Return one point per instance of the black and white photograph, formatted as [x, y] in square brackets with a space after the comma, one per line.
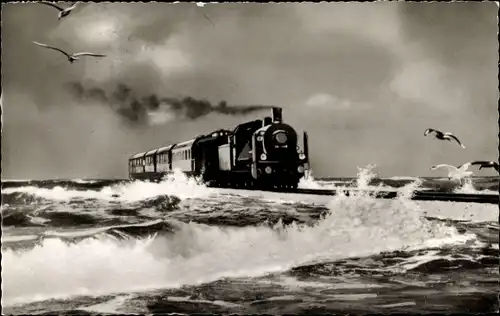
[250, 158]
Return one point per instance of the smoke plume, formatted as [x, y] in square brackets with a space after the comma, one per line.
[138, 110]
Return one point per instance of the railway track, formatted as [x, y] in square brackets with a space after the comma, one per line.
[417, 196]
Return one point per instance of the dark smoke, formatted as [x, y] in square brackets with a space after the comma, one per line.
[136, 109]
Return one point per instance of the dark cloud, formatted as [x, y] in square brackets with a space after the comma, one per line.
[400, 68]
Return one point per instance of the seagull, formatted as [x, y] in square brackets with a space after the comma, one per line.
[454, 172]
[443, 136]
[62, 12]
[71, 57]
[486, 164]
[210, 20]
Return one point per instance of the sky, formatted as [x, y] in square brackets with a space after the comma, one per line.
[363, 79]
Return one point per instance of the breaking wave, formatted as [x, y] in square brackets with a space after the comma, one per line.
[165, 254]
[81, 251]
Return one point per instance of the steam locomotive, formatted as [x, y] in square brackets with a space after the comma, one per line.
[259, 154]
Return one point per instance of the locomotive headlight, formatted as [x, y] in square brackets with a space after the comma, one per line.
[302, 156]
[260, 138]
[263, 157]
[300, 169]
[268, 170]
[281, 137]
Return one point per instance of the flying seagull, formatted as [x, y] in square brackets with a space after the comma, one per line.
[62, 11]
[486, 164]
[443, 136]
[71, 57]
[210, 20]
[454, 172]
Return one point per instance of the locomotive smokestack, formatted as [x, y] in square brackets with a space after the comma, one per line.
[277, 118]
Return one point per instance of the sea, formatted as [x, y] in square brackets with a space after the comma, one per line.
[177, 246]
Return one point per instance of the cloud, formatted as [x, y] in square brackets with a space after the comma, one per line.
[325, 100]
[168, 57]
[389, 67]
[356, 19]
[424, 81]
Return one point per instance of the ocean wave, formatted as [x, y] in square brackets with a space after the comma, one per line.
[128, 259]
[82, 212]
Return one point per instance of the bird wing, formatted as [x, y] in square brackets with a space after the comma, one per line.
[210, 20]
[450, 135]
[51, 47]
[483, 164]
[480, 162]
[72, 6]
[464, 167]
[450, 168]
[52, 5]
[88, 54]
[429, 130]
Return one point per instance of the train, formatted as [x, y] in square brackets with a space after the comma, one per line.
[259, 154]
